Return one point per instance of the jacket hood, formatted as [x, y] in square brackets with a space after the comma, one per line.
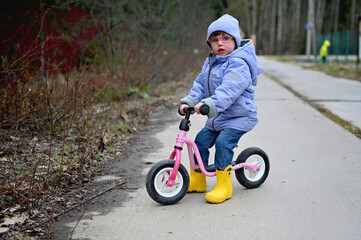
[247, 53]
[326, 43]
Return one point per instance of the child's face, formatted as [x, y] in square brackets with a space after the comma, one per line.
[222, 44]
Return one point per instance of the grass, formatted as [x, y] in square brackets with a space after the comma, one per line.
[345, 124]
[338, 70]
[283, 58]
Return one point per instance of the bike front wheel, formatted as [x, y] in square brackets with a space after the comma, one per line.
[248, 178]
[156, 183]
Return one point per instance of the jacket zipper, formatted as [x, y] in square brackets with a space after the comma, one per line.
[211, 56]
[209, 87]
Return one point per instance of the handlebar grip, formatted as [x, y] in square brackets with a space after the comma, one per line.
[204, 109]
[180, 112]
[186, 109]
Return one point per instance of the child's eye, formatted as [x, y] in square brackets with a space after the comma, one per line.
[226, 38]
[214, 40]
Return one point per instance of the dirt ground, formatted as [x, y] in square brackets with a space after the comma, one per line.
[102, 186]
[126, 167]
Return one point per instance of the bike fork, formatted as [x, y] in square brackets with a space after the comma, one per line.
[177, 155]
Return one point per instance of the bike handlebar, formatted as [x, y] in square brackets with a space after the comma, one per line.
[204, 109]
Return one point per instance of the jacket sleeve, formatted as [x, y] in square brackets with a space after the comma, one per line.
[196, 94]
[237, 78]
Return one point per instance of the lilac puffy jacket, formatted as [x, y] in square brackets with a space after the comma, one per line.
[225, 84]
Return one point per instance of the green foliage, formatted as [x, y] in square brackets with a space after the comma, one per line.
[141, 91]
[111, 149]
[125, 127]
[109, 94]
[132, 91]
[100, 156]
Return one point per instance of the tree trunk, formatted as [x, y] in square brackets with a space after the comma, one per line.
[353, 14]
[280, 26]
[309, 30]
[246, 13]
[336, 9]
[254, 16]
[296, 12]
[264, 28]
[273, 27]
[320, 9]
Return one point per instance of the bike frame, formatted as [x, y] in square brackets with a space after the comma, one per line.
[193, 150]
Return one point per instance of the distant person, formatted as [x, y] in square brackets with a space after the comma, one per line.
[226, 84]
[323, 50]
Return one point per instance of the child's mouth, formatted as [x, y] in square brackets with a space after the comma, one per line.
[220, 51]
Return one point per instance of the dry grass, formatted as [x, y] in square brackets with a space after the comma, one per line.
[338, 70]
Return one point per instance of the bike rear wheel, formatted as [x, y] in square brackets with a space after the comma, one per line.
[248, 178]
[156, 183]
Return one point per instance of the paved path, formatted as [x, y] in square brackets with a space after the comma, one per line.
[313, 190]
[341, 96]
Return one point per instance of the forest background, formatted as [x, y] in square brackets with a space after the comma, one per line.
[77, 77]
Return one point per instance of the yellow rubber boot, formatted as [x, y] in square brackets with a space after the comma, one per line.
[223, 189]
[197, 181]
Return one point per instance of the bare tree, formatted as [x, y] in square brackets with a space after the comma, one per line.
[280, 22]
[264, 27]
[273, 27]
[295, 27]
[254, 16]
[353, 14]
[336, 12]
[320, 9]
[247, 17]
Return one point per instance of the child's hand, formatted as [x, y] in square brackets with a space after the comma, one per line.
[181, 108]
[197, 107]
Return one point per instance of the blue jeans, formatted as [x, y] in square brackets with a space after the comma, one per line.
[225, 140]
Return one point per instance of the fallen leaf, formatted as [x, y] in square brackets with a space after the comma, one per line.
[4, 230]
[20, 219]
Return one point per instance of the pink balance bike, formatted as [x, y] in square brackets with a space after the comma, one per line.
[167, 181]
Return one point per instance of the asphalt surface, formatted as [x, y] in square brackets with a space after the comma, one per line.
[313, 190]
[341, 96]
